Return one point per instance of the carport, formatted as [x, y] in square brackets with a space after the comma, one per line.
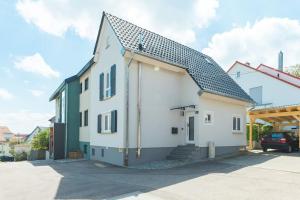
[279, 117]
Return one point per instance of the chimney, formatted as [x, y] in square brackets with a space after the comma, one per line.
[280, 61]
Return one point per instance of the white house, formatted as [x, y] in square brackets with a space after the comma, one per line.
[147, 95]
[266, 85]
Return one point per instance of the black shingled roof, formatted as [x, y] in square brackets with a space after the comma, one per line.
[208, 75]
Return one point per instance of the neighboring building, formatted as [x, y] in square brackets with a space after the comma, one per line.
[84, 108]
[5, 137]
[35, 131]
[266, 85]
[65, 131]
[142, 95]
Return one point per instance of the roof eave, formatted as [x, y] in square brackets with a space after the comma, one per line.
[230, 96]
[61, 86]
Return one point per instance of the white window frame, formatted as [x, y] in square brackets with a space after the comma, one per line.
[241, 122]
[211, 113]
[108, 128]
[107, 84]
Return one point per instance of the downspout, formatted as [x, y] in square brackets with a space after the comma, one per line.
[139, 98]
[127, 112]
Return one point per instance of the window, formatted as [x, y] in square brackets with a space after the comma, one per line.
[63, 106]
[107, 42]
[85, 149]
[86, 118]
[80, 88]
[86, 84]
[238, 74]
[256, 94]
[106, 121]
[208, 117]
[93, 151]
[236, 123]
[80, 119]
[107, 85]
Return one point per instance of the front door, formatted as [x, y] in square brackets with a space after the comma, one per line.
[190, 128]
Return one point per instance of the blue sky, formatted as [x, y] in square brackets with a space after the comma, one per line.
[44, 42]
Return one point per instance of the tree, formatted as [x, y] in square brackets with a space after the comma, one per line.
[41, 140]
[294, 70]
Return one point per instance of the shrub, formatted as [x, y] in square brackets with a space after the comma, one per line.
[41, 140]
[21, 156]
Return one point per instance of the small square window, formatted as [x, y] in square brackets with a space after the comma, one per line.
[208, 117]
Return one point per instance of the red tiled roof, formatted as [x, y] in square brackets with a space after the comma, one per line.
[3, 131]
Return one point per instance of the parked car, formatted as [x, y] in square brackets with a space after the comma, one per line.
[285, 141]
[6, 159]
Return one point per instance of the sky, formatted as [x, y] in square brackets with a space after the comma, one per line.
[42, 42]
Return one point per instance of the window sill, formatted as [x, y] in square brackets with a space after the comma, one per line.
[209, 124]
[237, 132]
[106, 133]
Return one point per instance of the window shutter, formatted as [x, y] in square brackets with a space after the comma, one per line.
[101, 85]
[114, 121]
[99, 123]
[113, 80]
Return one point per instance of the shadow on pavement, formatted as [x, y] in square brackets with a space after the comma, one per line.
[93, 180]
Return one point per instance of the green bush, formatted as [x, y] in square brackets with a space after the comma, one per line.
[21, 156]
[258, 131]
[41, 140]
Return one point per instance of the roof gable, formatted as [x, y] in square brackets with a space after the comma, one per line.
[264, 72]
[208, 75]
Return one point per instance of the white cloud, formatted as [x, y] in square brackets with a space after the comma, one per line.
[258, 43]
[36, 93]
[177, 20]
[5, 95]
[36, 64]
[24, 121]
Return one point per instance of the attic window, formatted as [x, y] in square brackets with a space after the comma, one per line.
[238, 74]
[107, 42]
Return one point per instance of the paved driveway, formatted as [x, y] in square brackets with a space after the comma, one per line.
[255, 176]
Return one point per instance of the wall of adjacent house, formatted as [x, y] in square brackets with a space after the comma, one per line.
[72, 116]
[274, 91]
[107, 54]
[85, 98]
[221, 130]
[161, 90]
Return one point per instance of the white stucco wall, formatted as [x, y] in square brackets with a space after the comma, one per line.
[84, 131]
[220, 131]
[105, 58]
[274, 91]
[161, 91]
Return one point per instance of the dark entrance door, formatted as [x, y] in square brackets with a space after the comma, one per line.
[191, 129]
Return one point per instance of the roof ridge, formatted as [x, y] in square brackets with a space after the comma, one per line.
[291, 75]
[145, 29]
[257, 70]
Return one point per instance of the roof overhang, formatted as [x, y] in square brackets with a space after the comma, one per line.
[281, 114]
[61, 87]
